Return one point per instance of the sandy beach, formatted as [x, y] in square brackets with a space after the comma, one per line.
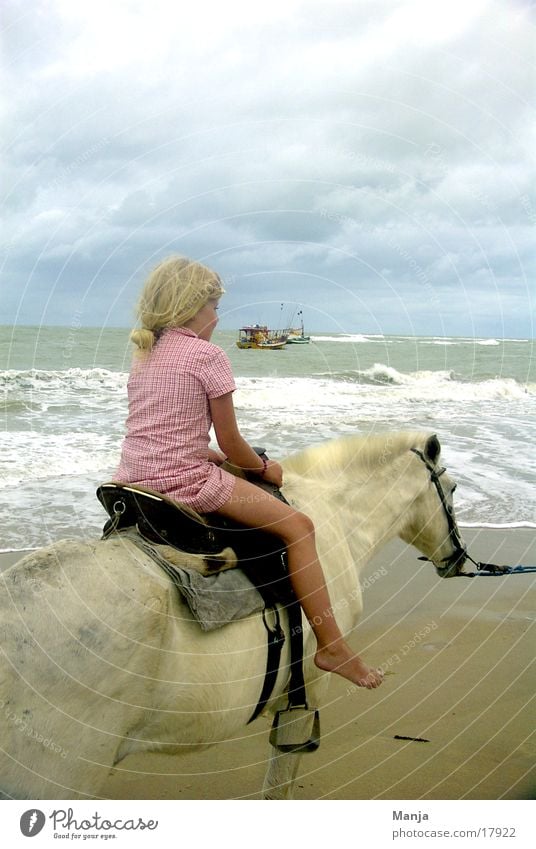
[462, 684]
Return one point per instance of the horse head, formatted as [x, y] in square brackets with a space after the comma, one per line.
[433, 528]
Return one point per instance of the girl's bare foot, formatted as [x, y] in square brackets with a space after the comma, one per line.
[339, 659]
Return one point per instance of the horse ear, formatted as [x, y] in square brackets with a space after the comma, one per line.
[432, 449]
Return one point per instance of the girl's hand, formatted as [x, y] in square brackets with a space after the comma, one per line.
[273, 473]
[216, 457]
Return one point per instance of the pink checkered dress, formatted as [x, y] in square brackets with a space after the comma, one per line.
[169, 420]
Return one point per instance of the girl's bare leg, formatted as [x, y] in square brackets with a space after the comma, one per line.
[254, 507]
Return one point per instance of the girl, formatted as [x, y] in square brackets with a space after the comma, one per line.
[180, 385]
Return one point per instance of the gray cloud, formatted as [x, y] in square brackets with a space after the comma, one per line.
[371, 160]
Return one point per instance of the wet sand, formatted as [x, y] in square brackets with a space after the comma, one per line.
[462, 688]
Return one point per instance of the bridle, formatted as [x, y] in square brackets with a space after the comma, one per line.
[460, 555]
[460, 550]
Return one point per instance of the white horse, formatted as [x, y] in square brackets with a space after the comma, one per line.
[102, 659]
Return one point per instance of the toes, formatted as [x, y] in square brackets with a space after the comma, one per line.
[373, 679]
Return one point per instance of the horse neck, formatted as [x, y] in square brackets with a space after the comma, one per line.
[365, 484]
[381, 506]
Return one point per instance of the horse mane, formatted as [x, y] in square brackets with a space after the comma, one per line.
[367, 452]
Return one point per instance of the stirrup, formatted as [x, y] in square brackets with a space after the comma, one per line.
[296, 729]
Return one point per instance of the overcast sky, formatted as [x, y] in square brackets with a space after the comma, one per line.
[370, 160]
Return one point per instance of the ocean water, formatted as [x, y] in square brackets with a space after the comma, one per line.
[64, 406]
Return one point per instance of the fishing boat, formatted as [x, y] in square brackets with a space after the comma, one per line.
[296, 335]
[259, 336]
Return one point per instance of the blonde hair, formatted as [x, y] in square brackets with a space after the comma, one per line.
[173, 293]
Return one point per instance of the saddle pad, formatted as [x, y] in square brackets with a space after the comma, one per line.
[215, 600]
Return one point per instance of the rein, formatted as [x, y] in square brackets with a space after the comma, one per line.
[485, 569]
[460, 550]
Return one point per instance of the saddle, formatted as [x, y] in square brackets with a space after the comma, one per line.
[159, 519]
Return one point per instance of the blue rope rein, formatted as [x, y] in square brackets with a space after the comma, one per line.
[490, 569]
[485, 569]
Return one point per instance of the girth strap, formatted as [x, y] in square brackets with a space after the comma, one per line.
[296, 688]
[276, 640]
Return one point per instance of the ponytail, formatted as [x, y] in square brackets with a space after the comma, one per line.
[144, 340]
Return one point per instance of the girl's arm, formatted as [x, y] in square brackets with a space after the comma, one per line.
[234, 446]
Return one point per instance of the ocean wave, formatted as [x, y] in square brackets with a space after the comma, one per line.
[36, 456]
[76, 379]
[444, 341]
[348, 337]
[455, 340]
[36, 390]
[12, 406]
[499, 526]
[442, 385]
